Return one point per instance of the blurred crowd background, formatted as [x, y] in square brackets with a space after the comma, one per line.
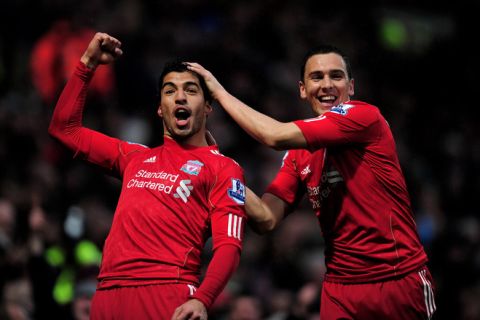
[415, 61]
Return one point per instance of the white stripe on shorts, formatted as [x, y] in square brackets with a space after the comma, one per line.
[192, 289]
[428, 294]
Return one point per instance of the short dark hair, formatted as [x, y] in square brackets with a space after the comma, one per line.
[180, 66]
[324, 49]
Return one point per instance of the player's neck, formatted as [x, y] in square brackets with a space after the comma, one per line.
[197, 140]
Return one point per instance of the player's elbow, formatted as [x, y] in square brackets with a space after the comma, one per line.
[279, 144]
[263, 227]
[283, 136]
[272, 143]
[275, 140]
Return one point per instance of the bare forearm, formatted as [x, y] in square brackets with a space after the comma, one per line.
[266, 213]
[275, 134]
[261, 127]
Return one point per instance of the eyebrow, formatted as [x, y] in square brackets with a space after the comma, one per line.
[323, 72]
[188, 83]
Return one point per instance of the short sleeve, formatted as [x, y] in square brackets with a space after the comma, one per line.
[286, 184]
[343, 124]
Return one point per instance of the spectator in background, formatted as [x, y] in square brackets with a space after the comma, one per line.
[85, 287]
[245, 308]
[17, 303]
[55, 56]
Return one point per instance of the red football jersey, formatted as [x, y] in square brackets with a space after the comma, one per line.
[173, 198]
[352, 177]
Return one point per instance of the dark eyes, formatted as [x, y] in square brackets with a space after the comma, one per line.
[191, 90]
[337, 76]
[333, 76]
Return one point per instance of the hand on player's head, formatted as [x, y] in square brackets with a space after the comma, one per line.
[212, 83]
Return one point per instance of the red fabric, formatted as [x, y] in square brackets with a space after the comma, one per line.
[354, 182]
[222, 266]
[55, 56]
[173, 199]
[139, 303]
[66, 124]
[407, 298]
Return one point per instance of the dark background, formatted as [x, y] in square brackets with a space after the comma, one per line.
[416, 62]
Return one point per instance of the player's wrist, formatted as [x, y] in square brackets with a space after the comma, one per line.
[203, 299]
[89, 62]
[221, 95]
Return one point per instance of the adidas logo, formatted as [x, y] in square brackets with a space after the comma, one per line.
[306, 170]
[151, 160]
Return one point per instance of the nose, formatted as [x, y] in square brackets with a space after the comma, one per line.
[327, 82]
[180, 96]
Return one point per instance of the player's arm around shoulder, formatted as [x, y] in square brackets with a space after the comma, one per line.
[268, 131]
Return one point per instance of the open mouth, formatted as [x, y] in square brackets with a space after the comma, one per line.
[182, 116]
[330, 99]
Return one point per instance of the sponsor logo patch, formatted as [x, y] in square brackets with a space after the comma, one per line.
[237, 192]
[341, 109]
[184, 190]
[192, 167]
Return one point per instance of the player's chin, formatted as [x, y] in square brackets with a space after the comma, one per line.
[182, 132]
[327, 105]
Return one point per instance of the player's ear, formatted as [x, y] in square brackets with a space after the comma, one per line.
[159, 111]
[351, 87]
[208, 108]
[301, 87]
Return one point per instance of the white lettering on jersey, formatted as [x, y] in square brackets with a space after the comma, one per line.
[234, 226]
[156, 175]
[183, 190]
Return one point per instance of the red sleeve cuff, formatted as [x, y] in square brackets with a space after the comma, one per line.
[83, 71]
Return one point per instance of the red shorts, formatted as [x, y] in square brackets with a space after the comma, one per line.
[407, 298]
[141, 302]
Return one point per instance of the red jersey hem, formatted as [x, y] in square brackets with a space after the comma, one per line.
[382, 277]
